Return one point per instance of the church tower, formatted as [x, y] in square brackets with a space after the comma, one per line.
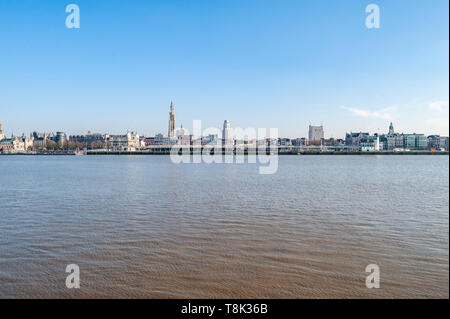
[391, 129]
[171, 121]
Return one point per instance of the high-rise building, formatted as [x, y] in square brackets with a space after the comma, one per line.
[415, 141]
[2, 134]
[226, 133]
[60, 138]
[171, 121]
[315, 133]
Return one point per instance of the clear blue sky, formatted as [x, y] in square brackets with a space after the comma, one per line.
[257, 63]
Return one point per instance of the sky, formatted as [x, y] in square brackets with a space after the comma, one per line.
[258, 63]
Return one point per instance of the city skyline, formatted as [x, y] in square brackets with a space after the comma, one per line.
[284, 65]
[315, 133]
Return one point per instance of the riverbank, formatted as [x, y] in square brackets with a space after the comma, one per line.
[285, 153]
[191, 153]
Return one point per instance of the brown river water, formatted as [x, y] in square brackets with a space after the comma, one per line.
[143, 227]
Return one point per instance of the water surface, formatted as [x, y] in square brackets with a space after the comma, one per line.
[142, 227]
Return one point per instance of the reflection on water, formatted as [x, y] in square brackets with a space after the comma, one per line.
[144, 227]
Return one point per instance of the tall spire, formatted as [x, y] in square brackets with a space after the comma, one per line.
[171, 120]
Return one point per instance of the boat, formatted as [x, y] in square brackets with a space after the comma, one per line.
[80, 153]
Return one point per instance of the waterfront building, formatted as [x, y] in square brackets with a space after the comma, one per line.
[384, 142]
[315, 133]
[14, 144]
[171, 131]
[181, 131]
[40, 140]
[165, 140]
[333, 142]
[434, 142]
[251, 143]
[354, 139]
[211, 139]
[389, 140]
[370, 144]
[444, 143]
[398, 141]
[18, 144]
[28, 142]
[299, 141]
[421, 142]
[438, 143]
[129, 142]
[43, 135]
[409, 141]
[2, 133]
[183, 137]
[39, 143]
[329, 142]
[142, 143]
[415, 142]
[149, 141]
[343, 148]
[60, 138]
[227, 138]
[89, 140]
[6, 146]
[392, 141]
[284, 142]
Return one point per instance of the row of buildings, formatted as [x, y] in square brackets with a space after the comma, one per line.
[353, 142]
[393, 141]
[365, 142]
[59, 141]
[14, 143]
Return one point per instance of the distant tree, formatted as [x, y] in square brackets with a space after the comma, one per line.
[64, 146]
[51, 145]
[97, 145]
[79, 145]
[71, 145]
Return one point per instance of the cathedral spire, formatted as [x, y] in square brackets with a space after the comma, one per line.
[172, 120]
